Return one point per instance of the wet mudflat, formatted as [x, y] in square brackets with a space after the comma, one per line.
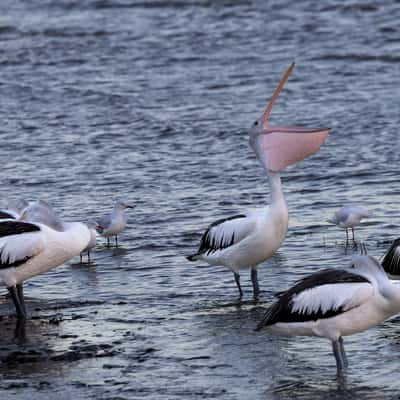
[149, 102]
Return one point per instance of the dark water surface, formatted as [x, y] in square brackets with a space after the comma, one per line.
[148, 101]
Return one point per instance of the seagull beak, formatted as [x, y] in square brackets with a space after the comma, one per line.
[130, 205]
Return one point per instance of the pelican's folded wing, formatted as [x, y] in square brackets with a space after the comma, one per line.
[285, 145]
[225, 233]
[321, 295]
[19, 241]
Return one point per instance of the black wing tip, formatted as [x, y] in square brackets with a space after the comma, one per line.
[192, 257]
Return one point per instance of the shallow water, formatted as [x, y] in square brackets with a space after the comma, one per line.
[149, 102]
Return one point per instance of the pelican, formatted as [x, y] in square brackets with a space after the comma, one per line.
[333, 303]
[113, 224]
[348, 217]
[244, 241]
[31, 248]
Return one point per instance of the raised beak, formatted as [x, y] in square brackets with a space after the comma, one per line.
[285, 145]
[267, 112]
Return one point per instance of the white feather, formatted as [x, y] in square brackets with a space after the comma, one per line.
[239, 227]
[19, 247]
[332, 297]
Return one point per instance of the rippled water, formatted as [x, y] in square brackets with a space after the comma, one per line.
[149, 101]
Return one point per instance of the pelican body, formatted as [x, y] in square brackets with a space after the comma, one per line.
[30, 248]
[333, 303]
[246, 240]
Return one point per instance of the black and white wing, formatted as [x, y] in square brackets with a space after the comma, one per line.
[19, 241]
[321, 295]
[225, 233]
[391, 261]
[8, 214]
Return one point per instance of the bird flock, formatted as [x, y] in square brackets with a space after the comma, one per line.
[33, 239]
[331, 303]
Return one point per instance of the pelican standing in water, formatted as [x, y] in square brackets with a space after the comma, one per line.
[333, 303]
[28, 249]
[246, 240]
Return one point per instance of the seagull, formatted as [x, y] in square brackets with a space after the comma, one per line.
[245, 240]
[348, 217]
[333, 303]
[31, 248]
[113, 224]
[14, 210]
[92, 226]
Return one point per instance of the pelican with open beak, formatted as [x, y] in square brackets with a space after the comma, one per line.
[244, 241]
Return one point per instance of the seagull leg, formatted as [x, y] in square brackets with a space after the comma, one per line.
[352, 229]
[344, 357]
[108, 241]
[88, 255]
[347, 235]
[80, 255]
[237, 280]
[116, 241]
[18, 308]
[337, 352]
[254, 280]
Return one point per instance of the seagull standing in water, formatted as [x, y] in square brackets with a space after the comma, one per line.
[348, 217]
[114, 223]
[333, 303]
[28, 249]
[92, 226]
[244, 241]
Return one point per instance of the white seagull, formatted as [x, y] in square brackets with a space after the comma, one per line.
[333, 303]
[113, 224]
[31, 248]
[246, 240]
[349, 216]
[92, 226]
[14, 210]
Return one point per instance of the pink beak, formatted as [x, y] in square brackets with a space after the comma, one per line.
[286, 145]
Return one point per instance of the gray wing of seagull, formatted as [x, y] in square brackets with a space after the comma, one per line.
[41, 212]
[105, 221]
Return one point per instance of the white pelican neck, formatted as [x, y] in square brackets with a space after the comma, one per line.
[276, 187]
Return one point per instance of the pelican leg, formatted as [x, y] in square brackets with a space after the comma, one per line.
[116, 241]
[108, 241]
[18, 307]
[88, 255]
[20, 292]
[254, 280]
[237, 280]
[337, 352]
[344, 357]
